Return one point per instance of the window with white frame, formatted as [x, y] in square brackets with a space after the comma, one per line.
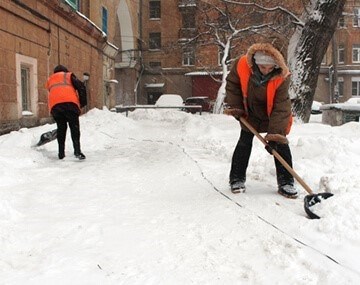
[26, 81]
[356, 53]
[188, 57]
[154, 9]
[341, 54]
[355, 86]
[25, 88]
[356, 19]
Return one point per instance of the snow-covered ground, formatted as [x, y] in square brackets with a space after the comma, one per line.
[151, 205]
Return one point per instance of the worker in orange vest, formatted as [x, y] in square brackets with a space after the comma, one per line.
[257, 88]
[65, 91]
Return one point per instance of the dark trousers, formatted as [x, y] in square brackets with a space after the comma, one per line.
[241, 156]
[62, 119]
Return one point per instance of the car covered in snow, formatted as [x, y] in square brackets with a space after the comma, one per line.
[169, 100]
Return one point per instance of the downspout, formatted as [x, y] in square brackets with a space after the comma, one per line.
[139, 43]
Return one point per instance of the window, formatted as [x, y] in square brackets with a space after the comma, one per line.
[355, 86]
[73, 3]
[154, 40]
[25, 88]
[188, 57]
[356, 22]
[188, 20]
[104, 20]
[341, 23]
[26, 81]
[341, 54]
[155, 9]
[356, 53]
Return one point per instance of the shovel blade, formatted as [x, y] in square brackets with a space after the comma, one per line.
[311, 200]
[47, 137]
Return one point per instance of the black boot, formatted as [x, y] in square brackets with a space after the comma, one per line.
[79, 155]
[77, 150]
[285, 180]
[61, 153]
[240, 161]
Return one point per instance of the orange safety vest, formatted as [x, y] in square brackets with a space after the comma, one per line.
[61, 89]
[273, 84]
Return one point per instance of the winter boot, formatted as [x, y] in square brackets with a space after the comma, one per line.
[288, 191]
[61, 153]
[79, 155]
[237, 186]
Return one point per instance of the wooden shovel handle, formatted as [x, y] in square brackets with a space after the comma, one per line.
[278, 156]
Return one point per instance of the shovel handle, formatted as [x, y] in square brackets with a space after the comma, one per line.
[278, 156]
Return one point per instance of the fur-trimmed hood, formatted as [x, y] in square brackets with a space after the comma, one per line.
[270, 50]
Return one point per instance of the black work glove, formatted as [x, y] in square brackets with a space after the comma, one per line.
[271, 145]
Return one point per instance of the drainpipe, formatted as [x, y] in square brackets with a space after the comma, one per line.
[139, 43]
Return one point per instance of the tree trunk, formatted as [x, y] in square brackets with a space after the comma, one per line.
[307, 49]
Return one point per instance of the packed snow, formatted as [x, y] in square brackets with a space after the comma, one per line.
[151, 205]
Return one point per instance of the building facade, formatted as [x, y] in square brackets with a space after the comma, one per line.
[37, 35]
[171, 61]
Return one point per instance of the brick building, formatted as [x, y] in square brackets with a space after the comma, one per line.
[38, 35]
[172, 65]
[170, 68]
[339, 77]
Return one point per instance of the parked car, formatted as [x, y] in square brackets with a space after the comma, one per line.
[353, 100]
[169, 100]
[204, 101]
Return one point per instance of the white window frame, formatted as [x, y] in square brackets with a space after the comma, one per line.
[356, 19]
[357, 80]
[188, 57]
[356, 48]
[341, 50]
[31, 64]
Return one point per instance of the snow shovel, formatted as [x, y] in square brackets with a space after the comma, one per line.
[309, 200]
[47, 137]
